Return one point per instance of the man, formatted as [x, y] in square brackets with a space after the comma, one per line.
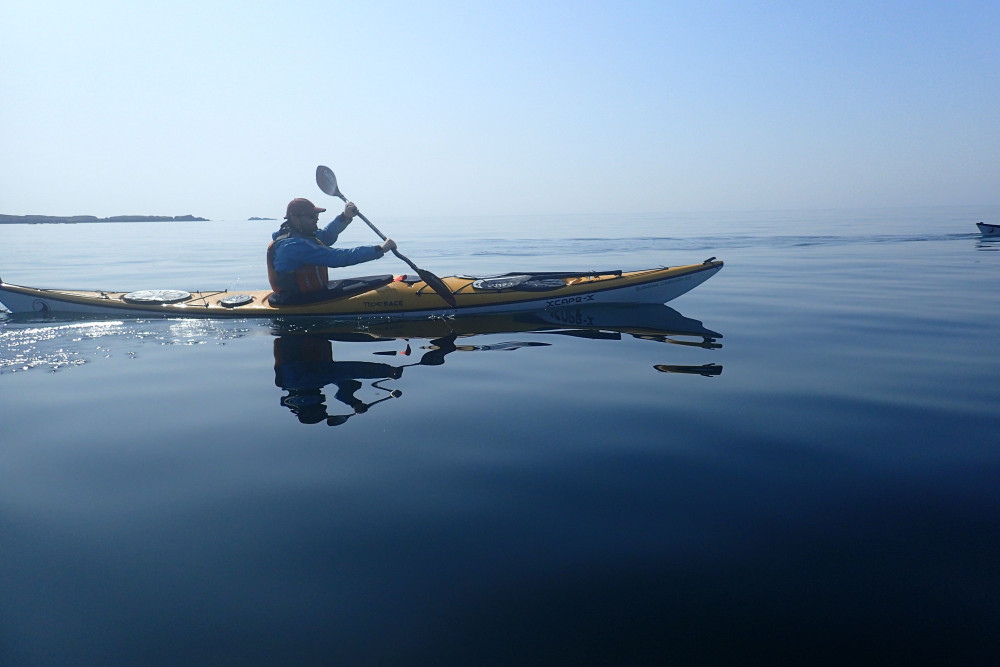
[300, 252]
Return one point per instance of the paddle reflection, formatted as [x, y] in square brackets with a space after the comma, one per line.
[320, 388]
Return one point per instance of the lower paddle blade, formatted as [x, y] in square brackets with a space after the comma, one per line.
[438, 286]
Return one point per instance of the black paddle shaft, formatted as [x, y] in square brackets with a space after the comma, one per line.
[384, 237]
[327, 182]
[431, 279]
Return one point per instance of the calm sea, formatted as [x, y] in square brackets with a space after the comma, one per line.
[243, 492]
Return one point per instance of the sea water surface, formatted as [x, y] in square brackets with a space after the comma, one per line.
[798, 460]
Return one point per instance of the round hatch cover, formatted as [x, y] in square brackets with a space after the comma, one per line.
[154, 296]
[235, 300]
[500, 282]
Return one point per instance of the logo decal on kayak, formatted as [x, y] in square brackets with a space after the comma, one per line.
[569, 299]
[383, 304]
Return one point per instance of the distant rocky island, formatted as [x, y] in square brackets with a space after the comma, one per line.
[252, 219]
[54, 219]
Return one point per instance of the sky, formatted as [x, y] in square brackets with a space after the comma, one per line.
[224, 109]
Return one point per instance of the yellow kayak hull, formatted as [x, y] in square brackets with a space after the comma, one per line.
[401, 297]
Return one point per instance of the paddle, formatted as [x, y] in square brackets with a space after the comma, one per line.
[327, 182]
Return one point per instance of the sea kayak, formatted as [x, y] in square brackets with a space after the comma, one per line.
[398, 296]
[988, 230]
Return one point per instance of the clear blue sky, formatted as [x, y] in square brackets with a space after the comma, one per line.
[224, 109]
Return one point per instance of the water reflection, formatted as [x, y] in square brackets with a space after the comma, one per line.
[306, 368]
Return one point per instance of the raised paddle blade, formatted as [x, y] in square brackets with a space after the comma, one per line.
[327, 181]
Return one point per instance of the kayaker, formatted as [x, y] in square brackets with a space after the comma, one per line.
[300, 252]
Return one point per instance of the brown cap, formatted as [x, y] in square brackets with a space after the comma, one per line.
[302, 207]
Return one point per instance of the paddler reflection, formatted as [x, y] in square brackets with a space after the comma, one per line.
[304, 366]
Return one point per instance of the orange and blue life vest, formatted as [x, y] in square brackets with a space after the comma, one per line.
[307, 278]
[300, 267]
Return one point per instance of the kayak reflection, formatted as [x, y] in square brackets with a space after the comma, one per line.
[306, 369]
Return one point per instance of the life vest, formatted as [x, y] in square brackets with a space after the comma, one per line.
[307, 278]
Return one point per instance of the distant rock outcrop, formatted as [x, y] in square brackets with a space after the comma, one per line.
[54, 219]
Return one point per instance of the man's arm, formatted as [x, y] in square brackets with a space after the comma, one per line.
[329, 234]
[293, 253]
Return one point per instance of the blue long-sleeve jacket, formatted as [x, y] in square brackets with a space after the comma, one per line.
[297, 251]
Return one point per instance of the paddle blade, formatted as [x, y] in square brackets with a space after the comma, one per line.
[327, 181]
[438, 286]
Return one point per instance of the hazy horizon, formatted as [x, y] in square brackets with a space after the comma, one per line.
[223, 110]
